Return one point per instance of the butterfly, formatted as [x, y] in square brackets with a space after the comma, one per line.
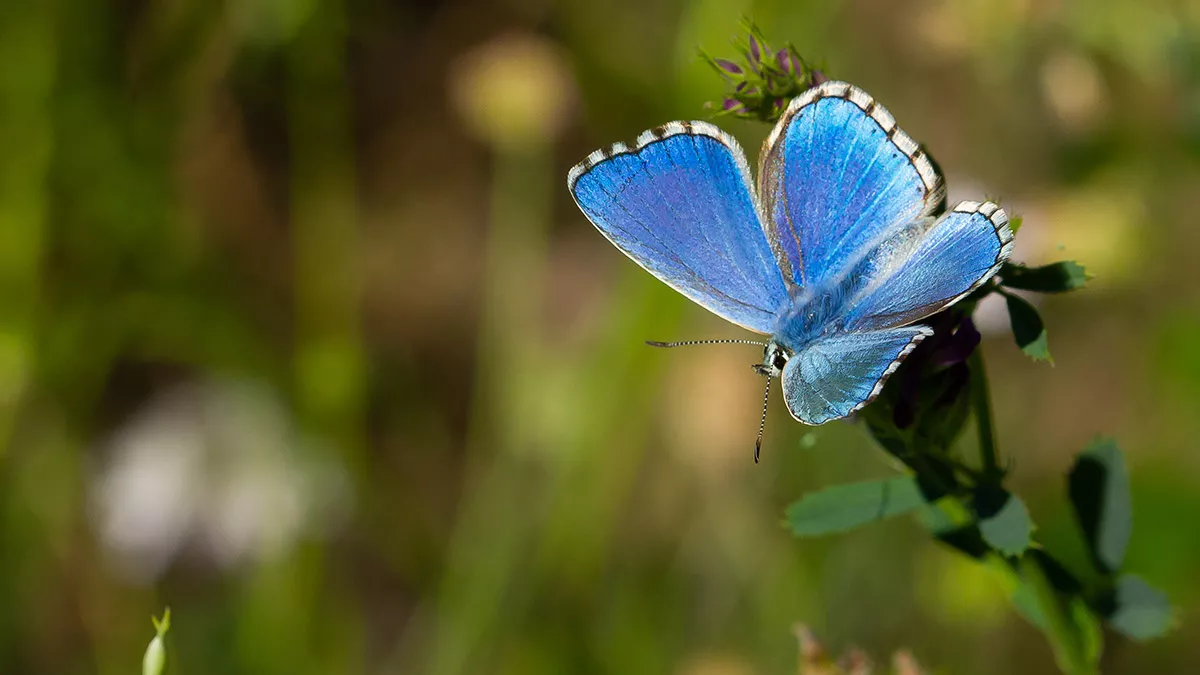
[837, 254]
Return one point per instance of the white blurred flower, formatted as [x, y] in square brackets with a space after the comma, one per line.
[217, 466]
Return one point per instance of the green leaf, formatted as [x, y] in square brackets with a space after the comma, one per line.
[1099, 489]
[1004, 521]
[161, 626]
[1142, 612]
[1025, 600]
[844, 507]
[1059, 277]
[1014, 223]
[1027, 328]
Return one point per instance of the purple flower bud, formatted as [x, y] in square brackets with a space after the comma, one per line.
[818, 77]
[728, 66]
[732, 105]
[745, 89]
[755, 58]
[786, 62]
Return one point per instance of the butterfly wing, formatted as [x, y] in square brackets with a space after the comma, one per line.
[915, 276]
[836, 176]
[680, 204]
[835, 376]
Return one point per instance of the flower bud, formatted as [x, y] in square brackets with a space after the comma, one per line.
[728, 66]
[755, 54]
[155, 659]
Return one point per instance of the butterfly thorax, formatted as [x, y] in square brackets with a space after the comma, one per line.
[809, 316]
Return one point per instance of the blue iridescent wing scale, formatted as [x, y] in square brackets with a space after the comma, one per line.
[837, 375]
[925, 273]
[681, 204]
[837, 175]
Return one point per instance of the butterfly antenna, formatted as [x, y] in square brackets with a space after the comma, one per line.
[688, 343]
[762, 423]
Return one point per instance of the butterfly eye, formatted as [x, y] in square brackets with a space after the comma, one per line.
[780, 359]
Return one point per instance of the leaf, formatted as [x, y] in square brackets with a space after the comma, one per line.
[1014, 223]
[1003, 521]
[1059, 277]
[844, 507]
[1024, 599]
[1099, 489]
[1142, 612]
[1027, 328]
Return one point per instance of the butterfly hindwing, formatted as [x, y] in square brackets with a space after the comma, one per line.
[837, 174]
[681, 205]
[836, 375]
[952, 257]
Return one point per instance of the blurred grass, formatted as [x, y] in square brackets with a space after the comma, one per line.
[25, 132]
[359, 208]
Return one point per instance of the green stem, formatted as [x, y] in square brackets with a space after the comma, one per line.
[981, 404]
[1065, 639]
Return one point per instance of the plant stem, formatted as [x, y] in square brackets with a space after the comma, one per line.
[1065, 639]
[981, 404]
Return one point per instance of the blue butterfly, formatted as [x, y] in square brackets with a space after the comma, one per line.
[836, 256]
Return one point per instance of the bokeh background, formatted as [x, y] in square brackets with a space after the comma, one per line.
[301, 334]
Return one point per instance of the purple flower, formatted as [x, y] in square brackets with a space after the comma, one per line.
[957, 347]
[946, 353]
[763, 80]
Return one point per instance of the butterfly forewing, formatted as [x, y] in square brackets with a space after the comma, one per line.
[837, 174]
[681, 205]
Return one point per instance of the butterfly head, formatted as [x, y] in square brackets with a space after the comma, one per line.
[775, 357]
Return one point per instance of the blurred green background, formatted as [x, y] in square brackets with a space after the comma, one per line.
[301, 334]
